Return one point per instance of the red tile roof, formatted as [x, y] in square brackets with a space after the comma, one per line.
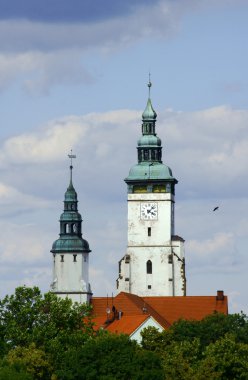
[189, 307]
[134, 310]
[127, 324]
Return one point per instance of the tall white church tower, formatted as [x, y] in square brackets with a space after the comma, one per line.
[71, 252]
[154, 263]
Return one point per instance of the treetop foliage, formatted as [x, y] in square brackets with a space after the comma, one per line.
[43, 337]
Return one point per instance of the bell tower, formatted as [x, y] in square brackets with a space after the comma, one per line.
[154, 263]
[71, 252]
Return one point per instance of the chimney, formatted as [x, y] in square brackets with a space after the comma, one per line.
[220, 295]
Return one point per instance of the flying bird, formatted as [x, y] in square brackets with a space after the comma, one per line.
[216, 208]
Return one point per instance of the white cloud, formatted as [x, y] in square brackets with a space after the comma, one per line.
[213, 144]
[157, 19]
[47, 145]
[21, 244]
[39, 71]
[43, 55]
[216, 253]
[14, 202]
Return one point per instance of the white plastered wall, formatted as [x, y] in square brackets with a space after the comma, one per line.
[166, 278]
[71, 277]
[149, 322]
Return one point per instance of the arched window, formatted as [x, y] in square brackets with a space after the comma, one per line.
[146, 154]
[149, 267]
[67, 228]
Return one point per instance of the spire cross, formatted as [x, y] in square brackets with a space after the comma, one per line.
[149, 84]
[71, 156]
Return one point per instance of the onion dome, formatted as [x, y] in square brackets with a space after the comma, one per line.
[149, 113]
[149, 140]
[148, 171]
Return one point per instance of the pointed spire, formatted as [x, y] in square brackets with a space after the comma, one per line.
[71, 156]
[70, 193]
[149, 113]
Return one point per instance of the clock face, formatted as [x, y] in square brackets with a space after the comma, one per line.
[149, 211]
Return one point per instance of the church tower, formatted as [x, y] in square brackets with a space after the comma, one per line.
[71, 252]
[154, 263]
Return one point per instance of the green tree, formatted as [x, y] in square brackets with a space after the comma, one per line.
[34, 361]
[9, 372]
[212, 328]
[154, 340]
[48, 323]
[213, 348]
[27, 317]
[110, 357]
[228, 357]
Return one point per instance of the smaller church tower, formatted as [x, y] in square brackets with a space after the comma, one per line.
[71, 252]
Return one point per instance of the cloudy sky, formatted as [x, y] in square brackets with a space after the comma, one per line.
[73, 75]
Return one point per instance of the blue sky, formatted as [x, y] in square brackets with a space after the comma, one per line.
[73, 75]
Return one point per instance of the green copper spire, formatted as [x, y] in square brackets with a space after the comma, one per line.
[149, 113]
[150, 167]
[70, 239]
[70, 194]
[149, 145]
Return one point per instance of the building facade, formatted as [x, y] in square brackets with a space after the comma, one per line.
[154, 263]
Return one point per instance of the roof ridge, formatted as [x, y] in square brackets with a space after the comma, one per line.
[150, 309]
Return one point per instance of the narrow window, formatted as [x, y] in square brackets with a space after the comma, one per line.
[67, 228]
[149, 267]
[61, 258]
[149, 231]
[85, 259]
[74, 258]
[149, 286]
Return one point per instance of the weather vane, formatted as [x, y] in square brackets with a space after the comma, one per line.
[71, 156]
